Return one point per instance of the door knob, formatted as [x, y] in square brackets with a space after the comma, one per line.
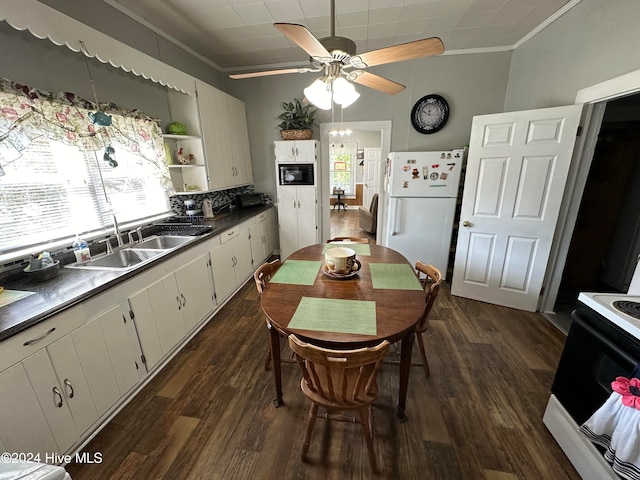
[467, 224]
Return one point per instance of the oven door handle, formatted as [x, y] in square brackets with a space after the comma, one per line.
[603, 339]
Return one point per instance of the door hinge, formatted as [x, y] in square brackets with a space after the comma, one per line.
[131, 315]
[144, 359]
[579, 132]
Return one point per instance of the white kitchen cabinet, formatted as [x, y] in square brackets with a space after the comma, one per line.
[296, 150]
[170, 307]
[231, 262]
[140, 305]
[194, 283]
[58, 381]
[24, 426]
[297, 218]
[96, 364]
[225, 137]
[262, 237]
[118, 332]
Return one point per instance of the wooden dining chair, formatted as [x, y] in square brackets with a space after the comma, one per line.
[349, 239]
[262, 276]
[430, 279]
[338, 381]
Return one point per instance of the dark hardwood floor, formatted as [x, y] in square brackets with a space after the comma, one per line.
[210, 414]
[346, 223]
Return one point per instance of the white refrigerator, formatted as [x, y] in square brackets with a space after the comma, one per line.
[421, 192]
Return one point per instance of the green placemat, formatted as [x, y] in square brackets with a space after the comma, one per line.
[334, 315]
[359, 248]
[397, 276]
[297, 272]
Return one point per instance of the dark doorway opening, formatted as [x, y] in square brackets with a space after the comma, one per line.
[606, 239]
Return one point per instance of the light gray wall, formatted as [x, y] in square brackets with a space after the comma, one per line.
[41, 64]
[114, 23]
[595, 41]
[472, 84]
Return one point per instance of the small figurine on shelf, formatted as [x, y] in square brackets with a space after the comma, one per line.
[184, 158]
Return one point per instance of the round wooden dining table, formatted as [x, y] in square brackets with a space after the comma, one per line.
[397, 310]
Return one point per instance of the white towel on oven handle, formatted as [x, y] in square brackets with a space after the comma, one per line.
[616, 427]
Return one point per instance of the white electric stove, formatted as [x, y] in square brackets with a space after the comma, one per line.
[603, 342]
[622, 310]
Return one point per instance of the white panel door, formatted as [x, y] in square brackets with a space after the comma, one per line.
[516, 173]
[371, 177]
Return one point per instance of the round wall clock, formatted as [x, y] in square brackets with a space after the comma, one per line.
[430, 114]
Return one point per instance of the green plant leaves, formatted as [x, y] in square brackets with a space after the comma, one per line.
[296, 116]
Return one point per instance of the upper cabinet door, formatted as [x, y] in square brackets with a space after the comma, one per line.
[225, 136]
[296, 150]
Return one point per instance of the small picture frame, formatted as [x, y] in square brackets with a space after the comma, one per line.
[360, 154]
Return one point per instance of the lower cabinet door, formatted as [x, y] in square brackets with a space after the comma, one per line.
[96, 365]
[117, 330]
[68, 369]
[145, 323]
[24, 426]
[195, 291]
[52, 400]
[222, 270]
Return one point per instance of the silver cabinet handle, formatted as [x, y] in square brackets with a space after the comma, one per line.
[179, 303]
[57, 392]
[293, 152]
[36, 340]
[69, 388]
[184, 300]
[298, 203]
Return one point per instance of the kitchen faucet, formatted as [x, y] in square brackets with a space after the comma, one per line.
[116, 229]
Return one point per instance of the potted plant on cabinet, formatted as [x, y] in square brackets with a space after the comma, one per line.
[296, 121]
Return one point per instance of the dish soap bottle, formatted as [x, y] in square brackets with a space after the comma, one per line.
[81, 250]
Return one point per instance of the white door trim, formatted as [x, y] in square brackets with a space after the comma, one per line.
[595, 98]
[384, 127]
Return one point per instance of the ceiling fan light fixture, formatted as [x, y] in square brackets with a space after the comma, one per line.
[344, 93]
[319, 93]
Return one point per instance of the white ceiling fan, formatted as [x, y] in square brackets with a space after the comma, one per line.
[336, 57]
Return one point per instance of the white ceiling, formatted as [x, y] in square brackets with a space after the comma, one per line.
[238, 35]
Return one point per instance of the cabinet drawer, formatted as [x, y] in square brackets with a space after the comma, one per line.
[263, 216]
[22, 345]
[229, 234]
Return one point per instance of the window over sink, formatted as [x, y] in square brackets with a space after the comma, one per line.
[62, 175]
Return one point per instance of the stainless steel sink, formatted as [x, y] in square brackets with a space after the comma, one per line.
[167, 242]
[124, 259]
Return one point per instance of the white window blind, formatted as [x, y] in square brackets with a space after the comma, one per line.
[55, 191]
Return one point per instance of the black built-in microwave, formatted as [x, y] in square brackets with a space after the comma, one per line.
[296, 174]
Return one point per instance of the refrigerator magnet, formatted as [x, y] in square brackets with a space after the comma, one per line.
[434, 176]
[405, 184]
[444, 175]
[406, 168]
[425, 172]
[415, 173]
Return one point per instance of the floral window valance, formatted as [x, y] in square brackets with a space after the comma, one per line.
[26, 113]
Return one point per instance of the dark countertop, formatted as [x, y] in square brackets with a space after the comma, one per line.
[73, 286]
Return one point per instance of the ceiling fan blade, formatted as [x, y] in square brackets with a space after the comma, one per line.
[378, 83]
[266, 73]
[302, 37]
[405, 51]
